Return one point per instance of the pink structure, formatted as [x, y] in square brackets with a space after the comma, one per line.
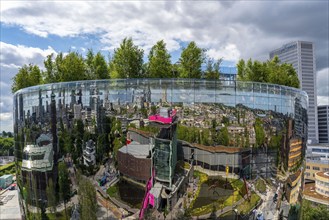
[148, 198]
[165, 116]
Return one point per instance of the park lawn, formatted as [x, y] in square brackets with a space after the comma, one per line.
[7, 169]
[202, 178]
[113, 191]
[219, 204]
[245, 207]
[260, 185]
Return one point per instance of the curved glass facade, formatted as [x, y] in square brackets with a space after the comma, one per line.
[250, 128]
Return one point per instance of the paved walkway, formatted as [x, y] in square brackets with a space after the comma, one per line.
[109, 206]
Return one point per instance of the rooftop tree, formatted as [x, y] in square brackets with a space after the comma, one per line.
[270, 71]
[191, 60]
[127, 60]
[159, 61]
[28, 75]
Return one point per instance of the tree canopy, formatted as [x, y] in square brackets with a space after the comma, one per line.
[6, 146]
[127, 62]
[191, 60]
[28, 75]
[212, 69]
[270, 71]
[87, 199]
[159, 65]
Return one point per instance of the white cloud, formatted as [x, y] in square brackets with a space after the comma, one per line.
[230, 30]
[6, 121]
[229, 52]
[6, 116]
[18, 55]
[13, 57]
[145, 22]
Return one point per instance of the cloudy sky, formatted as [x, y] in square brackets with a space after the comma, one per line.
[232, 30]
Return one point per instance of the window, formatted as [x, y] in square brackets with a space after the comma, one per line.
[316, 168]
[307, 167]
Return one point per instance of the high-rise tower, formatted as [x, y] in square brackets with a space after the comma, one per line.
[323, 119]
[302, 57]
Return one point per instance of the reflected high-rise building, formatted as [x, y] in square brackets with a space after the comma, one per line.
[187, 131]
[301, 55]
[323, 117]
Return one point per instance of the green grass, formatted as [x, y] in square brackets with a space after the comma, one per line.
[260, 185]
[52, 216]
[60, 215]
[246, 206]
[112, 191]
[8, 169]
[237, 185]
[203, 177]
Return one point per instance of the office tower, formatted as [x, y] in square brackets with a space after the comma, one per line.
[302, 57]
[323, 121]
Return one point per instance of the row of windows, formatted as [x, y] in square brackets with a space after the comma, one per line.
[323, 191]
[320, 150]
[322, 183]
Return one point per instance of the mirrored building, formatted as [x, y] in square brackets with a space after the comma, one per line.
[253, 129]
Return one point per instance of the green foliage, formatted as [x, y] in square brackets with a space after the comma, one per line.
[191, 60]
[260, 133]
[276, 141]
[159, 62]
[101, 147]
[245, 207]
[64, 182]
[51, 196]
[223, 137]
[28, 75]
[309, 211]
[127, 60]
[212, 70]
[268, 72]
[73, 68]
[260, 185]
[7, 169]
[112, 191]
[87, 199]
[96, 66]
[50, 74]
[64, 68]
[151, 129]
[6, 146]
[116, 146]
